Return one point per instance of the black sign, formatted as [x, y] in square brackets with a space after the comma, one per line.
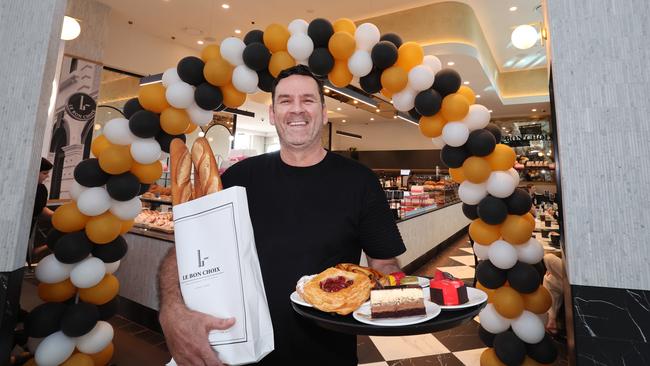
[527, 137]
[81, 107]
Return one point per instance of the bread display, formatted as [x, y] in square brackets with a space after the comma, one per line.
[155, 220]
[337, 291]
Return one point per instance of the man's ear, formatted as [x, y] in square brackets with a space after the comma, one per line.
[271, 115]
[325, 118]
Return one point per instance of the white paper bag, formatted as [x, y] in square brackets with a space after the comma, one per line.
[220, 275]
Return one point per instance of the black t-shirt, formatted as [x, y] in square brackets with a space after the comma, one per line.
[306, 219]
[39, 202]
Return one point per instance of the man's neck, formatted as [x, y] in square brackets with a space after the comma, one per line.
[302, 158]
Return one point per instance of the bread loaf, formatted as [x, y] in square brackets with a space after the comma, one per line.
[181, 168]
[206, 166]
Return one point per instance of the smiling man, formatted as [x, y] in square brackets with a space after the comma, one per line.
[311, 209]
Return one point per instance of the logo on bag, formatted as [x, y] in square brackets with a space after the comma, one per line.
[201, 273]
[201, 260]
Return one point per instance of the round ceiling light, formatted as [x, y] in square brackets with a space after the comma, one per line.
[524, 36]
[71, 28]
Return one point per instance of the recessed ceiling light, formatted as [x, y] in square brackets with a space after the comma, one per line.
[355, 102]
[503, 128]
[534, 110]
[490, 110]
[372, 119]
[513, 8]
[338, 108]
[451, 63]
[97, 127]
[377, 110]
[326, 90]
[478, 95]
[238, 31]
[225, 6]
[466, 82]
[201, 134]
[210, 139]
[395, 116]
[199, 42]
[343, 121]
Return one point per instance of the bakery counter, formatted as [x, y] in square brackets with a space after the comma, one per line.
[425, 210]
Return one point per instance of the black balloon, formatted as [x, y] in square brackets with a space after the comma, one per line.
[492, 210]
[256, 56]
[519, 202]
[321, 61]
[79, 319]
[414, 114]
[144, 124]
[44, 319]
[509, 348]
[111, 252]
[470, 211]
[143, 188]
[392, 38]
[447, 81]
[165, 139]
[89, 174]
[540, 267]
[481, 143]
[384, 55]
[190, 70]
[52, 237]
[543, 352]
[495, 131]
[489, 275]
[486, 337]
[453, 157]
[428, 102]
[123, 187]
[131, 106]
[109, 309]
[208, 96]
[320, 30]
[265, 80]
[524, 278]
[254, 36]
[371, 83]
[72, 247]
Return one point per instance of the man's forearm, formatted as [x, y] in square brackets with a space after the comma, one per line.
[385, 266]
[169, 291]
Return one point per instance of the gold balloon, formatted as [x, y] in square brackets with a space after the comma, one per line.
[502, 158]
[409, 55]
[386, 93]
[516, 229]
[489, 358]
[280, 61]
[30, 362]
[190, 128]
[537, 302]
[432, 126]
[344, 25]
[232, 98]
[490, 292]
[468, 93]
[116, 159]
[508, 302]
[147, 173]
[152, 97]
[457, 175]
[454, 107]
[218, 72]
[394, 79]
[103, 357]
[104, 228]
[102, 292]
[99, 144]
[56, 292]
[79, 359]
[126, 226]
[340, 76]
[67, 218]
[174, 121]
[276, 37]
[483, 233]
[342, 45]
[528, 216]
[210, 52]
[476, 169]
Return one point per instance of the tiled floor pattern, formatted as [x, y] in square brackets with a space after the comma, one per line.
[136, 345]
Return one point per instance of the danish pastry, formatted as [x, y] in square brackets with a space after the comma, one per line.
[337, 291]
[374, 275]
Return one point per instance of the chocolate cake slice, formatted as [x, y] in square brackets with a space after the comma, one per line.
[396, 302]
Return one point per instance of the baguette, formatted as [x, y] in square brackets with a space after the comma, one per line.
[181, 168]
[206, 166]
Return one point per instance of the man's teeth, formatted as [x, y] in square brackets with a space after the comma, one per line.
[298, 123]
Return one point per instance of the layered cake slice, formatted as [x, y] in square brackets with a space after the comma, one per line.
[396, 302]
[447, 290]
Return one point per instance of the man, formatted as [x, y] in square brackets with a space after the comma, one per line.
[310, 210]
[40, 211]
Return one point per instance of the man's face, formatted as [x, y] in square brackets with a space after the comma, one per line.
[297, 112]
[42, 176]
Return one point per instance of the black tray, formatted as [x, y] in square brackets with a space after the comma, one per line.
[347, 324]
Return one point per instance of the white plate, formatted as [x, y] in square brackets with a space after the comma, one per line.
[296, 298]
[362, 314]
[424, 282]
[474, 295]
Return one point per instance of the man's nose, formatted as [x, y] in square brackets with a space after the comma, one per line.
[296, 107]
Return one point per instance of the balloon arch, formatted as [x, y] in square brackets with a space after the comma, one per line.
[77, 281]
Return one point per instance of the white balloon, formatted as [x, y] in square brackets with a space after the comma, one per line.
[76, 189]
[366, 35]
[117, 132]
[300, 46]
[298, 26]
[54, 349]
[530, 252]
[472, 193]
[360, 63]
[405, 100]
[528, 327]
[244, 79]
[501, 184]
[232, 49]
[515, 176]
[180, 94]
[170, 76]
[492, 321]
[420, 78]
[94, 201]
[126, 210]
[433, 62]
[481, 251]
[502, 254]
[88, 272]
[112, 267]
[455, 133]
[438, 142]
[146, 151]
[477, 117]
[97, 339]
[198, 115]
[50, 270]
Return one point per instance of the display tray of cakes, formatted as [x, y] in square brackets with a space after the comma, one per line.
[155, 220]
[158, 193]
[351, 294]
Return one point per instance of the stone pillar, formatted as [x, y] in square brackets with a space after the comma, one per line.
[601, 72]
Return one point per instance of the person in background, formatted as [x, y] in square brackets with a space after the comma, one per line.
[40, 202]
[554, 283]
